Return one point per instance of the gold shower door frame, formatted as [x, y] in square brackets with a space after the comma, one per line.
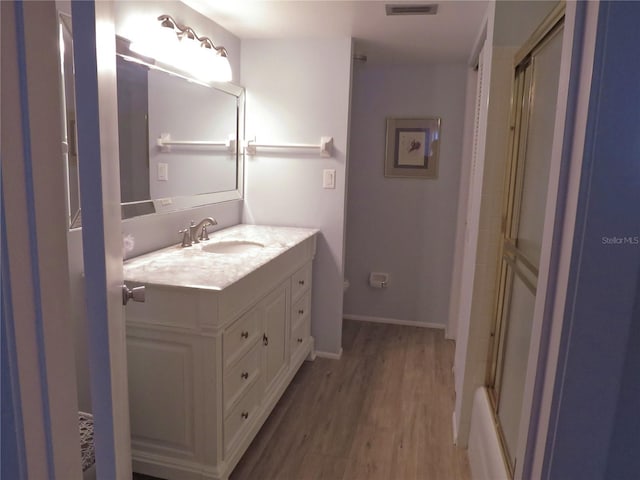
[516, 264]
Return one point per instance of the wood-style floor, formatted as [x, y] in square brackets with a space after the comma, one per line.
[383, 411]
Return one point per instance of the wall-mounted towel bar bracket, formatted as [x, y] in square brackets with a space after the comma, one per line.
[165, 142]
[325, 147]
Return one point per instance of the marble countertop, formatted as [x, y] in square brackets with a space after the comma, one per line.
[191, 267]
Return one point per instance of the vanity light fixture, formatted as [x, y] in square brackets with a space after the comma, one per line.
[180, 46]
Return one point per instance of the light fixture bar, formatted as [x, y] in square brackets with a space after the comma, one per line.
[180, 47]
[168, 21]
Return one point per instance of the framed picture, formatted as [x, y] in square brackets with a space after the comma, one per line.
[412, 147]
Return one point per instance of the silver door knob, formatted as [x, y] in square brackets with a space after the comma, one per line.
[136, 294]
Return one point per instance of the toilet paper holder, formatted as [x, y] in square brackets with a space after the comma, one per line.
[378, 279]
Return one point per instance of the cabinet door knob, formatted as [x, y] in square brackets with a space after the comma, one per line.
[244, 334]
[265, 340]
[245, 415]
[300, 312]
[245, 375]
[299, 340]
[300, 282]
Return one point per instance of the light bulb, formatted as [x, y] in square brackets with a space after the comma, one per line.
[160, 45]
[189, 53]
[210, 66]
[223, 69]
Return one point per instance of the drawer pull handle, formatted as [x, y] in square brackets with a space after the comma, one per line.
[300, 312]
[299, 340]
[244, 334]
[245, 375]
[300, 282]
[265, 339]
[245, 415]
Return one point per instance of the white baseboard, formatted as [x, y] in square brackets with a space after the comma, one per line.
[393, 321]
[448, 334]
[329, 355]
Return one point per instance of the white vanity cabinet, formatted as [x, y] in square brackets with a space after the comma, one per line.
[207, 365]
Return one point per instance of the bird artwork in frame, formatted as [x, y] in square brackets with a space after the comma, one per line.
[412, 147]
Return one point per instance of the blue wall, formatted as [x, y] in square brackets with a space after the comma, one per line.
[594, 432]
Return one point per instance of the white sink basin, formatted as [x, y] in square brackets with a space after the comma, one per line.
[231, 247]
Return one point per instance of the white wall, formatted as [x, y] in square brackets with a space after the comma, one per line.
[405, 227]
[516, 21]
[297, 91]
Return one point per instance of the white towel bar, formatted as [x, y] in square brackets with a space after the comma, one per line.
[165, 142]
[325, 146]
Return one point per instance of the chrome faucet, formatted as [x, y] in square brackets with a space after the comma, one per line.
[190, 234]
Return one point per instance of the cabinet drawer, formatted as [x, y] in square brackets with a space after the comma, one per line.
[301, 281]
[241, 416]
[301, 308]
[299, 335]
[239, 337]
[241, 376]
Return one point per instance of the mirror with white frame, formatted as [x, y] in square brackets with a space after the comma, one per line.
[179, 138]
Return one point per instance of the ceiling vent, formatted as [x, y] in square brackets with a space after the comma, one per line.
[411, 9]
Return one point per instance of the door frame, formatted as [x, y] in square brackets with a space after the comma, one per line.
[36, 301]
[97, 137]
[36, 294]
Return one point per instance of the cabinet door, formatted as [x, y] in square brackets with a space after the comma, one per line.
[164, 383]
[275, 336]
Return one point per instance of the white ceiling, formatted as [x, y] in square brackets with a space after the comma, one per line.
[445, 37]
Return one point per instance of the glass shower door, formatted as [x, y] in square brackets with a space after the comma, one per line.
[532, 124]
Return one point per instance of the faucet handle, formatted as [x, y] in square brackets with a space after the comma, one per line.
[204, 235]
[186, 237]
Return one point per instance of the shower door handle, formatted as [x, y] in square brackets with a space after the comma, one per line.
[137, 294]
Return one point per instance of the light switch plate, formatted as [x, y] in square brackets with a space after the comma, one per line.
[163, 172]
[329, 178]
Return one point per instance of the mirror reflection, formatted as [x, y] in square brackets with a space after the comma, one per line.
[69, 149]
[178, 138]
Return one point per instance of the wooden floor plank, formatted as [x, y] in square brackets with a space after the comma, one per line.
[316, 466]
[383, 401]
[371, 454]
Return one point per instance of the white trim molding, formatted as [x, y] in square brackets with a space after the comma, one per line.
[329, 355]
[485, 454]
[394, 321]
